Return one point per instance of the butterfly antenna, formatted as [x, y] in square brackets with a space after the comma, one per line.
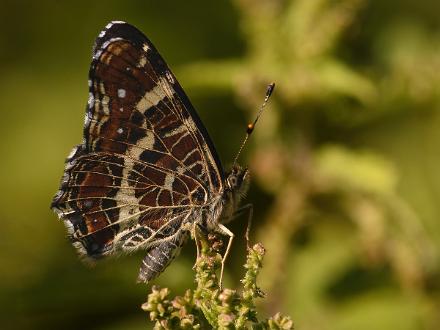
[251, 126]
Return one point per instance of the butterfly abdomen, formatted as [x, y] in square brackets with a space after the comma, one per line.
[159, 257]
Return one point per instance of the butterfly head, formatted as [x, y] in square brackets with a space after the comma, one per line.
[236, 186]
[237, 181]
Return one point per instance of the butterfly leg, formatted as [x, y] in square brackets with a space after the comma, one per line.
[249, 223]
[225, 231]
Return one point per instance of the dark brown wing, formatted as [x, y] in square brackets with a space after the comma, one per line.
[135, 100]
[146, 160]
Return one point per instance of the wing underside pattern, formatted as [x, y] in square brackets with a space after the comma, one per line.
[146, 164]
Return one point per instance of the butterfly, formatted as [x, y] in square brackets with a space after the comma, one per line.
[147, 172]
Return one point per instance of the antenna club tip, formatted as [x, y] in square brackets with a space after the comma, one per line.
[250, 127]
[270, 89]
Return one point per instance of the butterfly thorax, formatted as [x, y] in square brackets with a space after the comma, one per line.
[235, 188]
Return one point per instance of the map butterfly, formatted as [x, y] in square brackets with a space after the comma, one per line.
[146, 172]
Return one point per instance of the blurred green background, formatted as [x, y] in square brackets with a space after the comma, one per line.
[344, 160]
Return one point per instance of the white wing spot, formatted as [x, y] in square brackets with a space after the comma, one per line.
[91, 100]
[121, 109]
[142, 62]
[86, 120]
[109, 25]
[120, 130]
[169, 77]
[97, 54]
[121, 93]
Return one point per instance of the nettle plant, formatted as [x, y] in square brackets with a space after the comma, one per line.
[209, 305]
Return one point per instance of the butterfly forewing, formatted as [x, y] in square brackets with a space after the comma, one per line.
[146, 160]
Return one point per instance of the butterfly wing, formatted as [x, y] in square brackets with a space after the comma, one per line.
[132, 87]
[146, 162]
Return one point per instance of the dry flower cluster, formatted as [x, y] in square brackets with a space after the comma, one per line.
[210, 306]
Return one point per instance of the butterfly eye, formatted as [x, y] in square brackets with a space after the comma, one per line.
[232, 181]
